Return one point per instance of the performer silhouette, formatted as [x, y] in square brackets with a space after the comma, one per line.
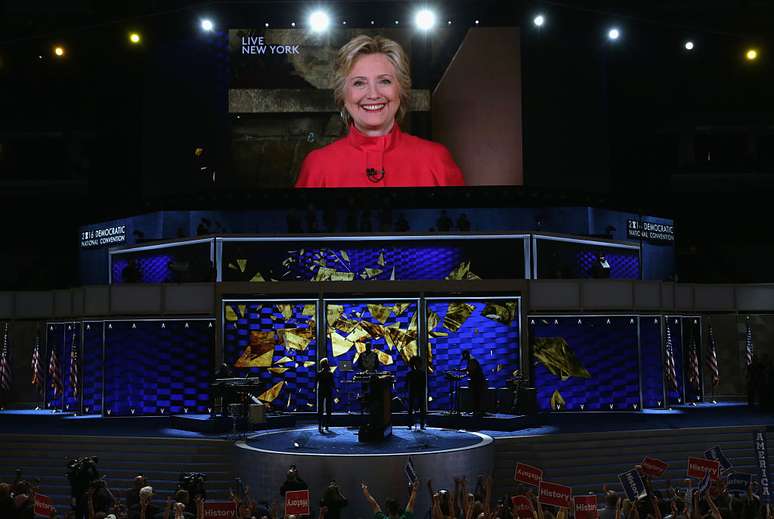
[325, 387]
[477, 381]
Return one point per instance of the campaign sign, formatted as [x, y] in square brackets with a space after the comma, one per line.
[585, 507]
[44, 505]
[522, 506]
[297, 502]
[220, 510]
[698, 466]
[738, 483]
[633, 485]
[528, 474]
[716, 454]
[653, 467]
[762, 462]
[554, 494]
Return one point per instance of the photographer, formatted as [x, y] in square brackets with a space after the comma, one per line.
[81, 473]
[333, 501]
[293, 481]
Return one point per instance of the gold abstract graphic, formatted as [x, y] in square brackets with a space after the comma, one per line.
[379, 312]
[558, 358]
[234, 315]
[257, 278]
[284, 360]
[557, 401]
[344, 255]
[344, 325]
[462, 272]
[308, 363]
[334, 312]
[309, 310]
[456, 316]
[501, 312]
[369, 273]
[358, 334]
[385, 359]
[380, 261]
[242, 263]
[259, 351]
[432, 320]
[399, 308]
[286, 310]
[272, 393]
[296, 338]
[340, 345]
[279, 371]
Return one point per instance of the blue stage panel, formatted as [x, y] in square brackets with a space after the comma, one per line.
[596, 356]
[246, 320]
[651, 362]
[356, 312]
[91, 371]
[157, 367]
[675, 396]
[494, 343]
[55, 342]
[72, 400]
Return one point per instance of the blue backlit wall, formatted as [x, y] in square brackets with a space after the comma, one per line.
[586, 361]
[390, 326]
[490, 331]
[574, 259]
[157, 367]
[168, 264]
[651, 362]
[276, 342]
[91, 373]
[675, 396]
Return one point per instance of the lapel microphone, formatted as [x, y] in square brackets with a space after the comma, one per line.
[374, 175]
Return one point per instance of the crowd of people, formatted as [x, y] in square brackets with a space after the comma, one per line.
[463, 501]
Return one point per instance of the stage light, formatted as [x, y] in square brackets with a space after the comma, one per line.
[751, 54]
[396, 22]
[688, 45]
[424, 19]
[266, 24]
[613, 34]
[134, 38]
[539, 20]
[343, 22]
[476, 22]
[319, 21]
[296, 445]
[292, 24]
[207, 25]
[59, 51]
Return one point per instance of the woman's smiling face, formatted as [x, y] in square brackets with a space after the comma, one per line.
[372, 94]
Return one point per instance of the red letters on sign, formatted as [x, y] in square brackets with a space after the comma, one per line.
[522, 506]
[653, 466]
[585, 507]
[220, 510]
[297, 502]
[44, 505]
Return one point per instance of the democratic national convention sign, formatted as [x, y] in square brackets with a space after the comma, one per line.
[522, 506]
[554, 494]
[653, 467]
[697, 467]
[633, 485]
[220, 509]
[297, 502]
[528, 474]
[762, 462]
[585, 507]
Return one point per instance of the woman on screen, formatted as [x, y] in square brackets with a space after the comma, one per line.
[371, 88]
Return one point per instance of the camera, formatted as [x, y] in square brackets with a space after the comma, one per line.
[81, 472]
[193, 483]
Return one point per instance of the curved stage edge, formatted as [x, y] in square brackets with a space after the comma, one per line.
[263, 460]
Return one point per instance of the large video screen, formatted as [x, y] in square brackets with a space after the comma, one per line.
[374, 106]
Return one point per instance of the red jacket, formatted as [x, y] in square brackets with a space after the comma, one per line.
[406, 161]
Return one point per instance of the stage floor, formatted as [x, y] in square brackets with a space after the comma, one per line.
[723, 414]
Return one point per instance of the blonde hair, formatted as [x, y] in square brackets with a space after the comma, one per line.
[361, 46]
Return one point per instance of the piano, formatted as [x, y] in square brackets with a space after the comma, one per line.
[237, 390]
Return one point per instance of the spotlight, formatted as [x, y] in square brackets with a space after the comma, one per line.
[207, 25]
[751, 54]
[319, 21]
[59, 51]
[613, 34]
[424, 19]
[539, 20]
[296, 445]
[477, 22]
[134, 38]
[688, 45]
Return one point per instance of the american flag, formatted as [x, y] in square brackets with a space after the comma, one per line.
[694, 377]
[37, 369]
[74, 366]
[712, 359]
[671, 375]
[5, 363]
[53, 372]
[748, 343]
